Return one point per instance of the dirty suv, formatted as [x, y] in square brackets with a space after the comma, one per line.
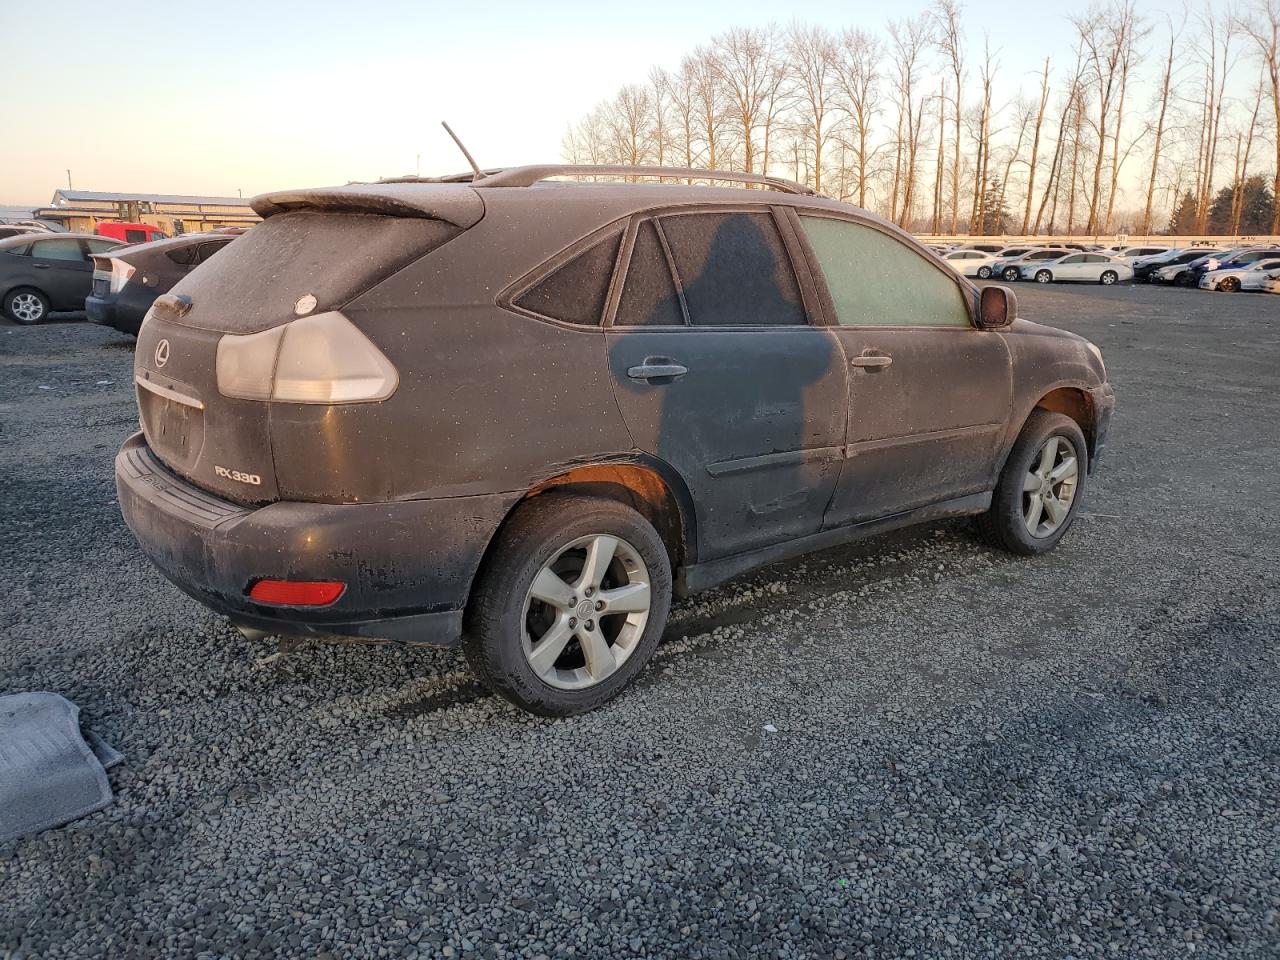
[518, 414]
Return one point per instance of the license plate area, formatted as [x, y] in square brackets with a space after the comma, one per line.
[174, 428]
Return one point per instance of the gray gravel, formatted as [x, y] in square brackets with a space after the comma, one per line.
[912, 747]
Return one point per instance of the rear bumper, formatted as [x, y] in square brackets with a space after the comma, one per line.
[407, 566]
[99, 310]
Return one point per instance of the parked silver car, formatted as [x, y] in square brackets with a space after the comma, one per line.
[1007, 268]
[1091, 267]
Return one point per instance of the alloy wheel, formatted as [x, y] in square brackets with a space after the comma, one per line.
[1044, 276]
[1108, 278]
[26, 308]
[585, 611]
[1049, 489]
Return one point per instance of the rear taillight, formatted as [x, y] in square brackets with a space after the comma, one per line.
[319, 359]
[120, 274]
[297, 593]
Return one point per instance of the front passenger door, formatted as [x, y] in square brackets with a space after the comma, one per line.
[929, 395]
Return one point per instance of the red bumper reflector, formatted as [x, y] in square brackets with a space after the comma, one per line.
[297, 593]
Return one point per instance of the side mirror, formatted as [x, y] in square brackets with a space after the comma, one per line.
[997, 308]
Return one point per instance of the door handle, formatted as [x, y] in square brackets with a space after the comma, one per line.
[873, 361]
[657, 368]
[41, 266]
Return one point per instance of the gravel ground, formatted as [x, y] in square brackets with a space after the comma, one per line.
[912, 747]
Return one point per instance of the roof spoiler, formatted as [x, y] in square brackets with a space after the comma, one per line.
[453, 203]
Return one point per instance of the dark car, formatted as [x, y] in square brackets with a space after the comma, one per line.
[127, 281]
[517, 414]
[40, 273]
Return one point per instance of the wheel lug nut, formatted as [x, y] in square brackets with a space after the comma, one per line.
[599, 604]
[589, 591]
[573, 622]
[590, 624]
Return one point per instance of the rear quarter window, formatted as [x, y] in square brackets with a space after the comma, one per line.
[575, 292]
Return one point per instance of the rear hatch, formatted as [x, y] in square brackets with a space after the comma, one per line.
[315, 251]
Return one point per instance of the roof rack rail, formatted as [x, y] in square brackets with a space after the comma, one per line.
[528, 176]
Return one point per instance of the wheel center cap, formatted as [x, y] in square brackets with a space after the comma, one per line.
[586, 608]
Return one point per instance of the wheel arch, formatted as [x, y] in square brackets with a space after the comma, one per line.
[648, 485]
[1076, 403]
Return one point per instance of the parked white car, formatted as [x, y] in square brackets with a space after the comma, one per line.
[967, 263]
[1088, 267]
[1130, 255]
[1272, 283]
[1006, 268]
[1248, 277]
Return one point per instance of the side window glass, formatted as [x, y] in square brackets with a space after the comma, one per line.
[181, 256]
[649, 298]
[734, 270]
[877, 281]
[576, 291]
[1078, 258]
[64, 248]
[101, 246]
[207, 250]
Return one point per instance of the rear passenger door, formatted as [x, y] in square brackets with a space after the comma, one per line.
[719, 373]
[63, 271]
[929, 394]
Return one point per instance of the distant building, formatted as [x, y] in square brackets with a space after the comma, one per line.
[81, 210]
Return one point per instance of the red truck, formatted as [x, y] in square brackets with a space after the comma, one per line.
[129, 232]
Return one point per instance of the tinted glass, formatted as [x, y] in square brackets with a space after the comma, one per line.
[207, 250]
[876, 280]
[1078, 258]
[61, 249]
[101, 246]
[575, 292]
[182, 255]
[734, 270]
[1046, 255]
[649, 297]
[17, 251]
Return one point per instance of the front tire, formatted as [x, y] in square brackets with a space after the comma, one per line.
[570, 605]
[984, 273]
[1108, 278]
[26, 306]
[1229, 285]
[1010, 274]
[1040, 487]
[1044, 276]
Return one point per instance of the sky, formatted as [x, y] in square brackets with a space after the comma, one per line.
[233, 96]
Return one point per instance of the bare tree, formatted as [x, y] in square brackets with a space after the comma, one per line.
[812, 56]
[1264, 29]
[1106, 34]
[745, 60]
[910, 39]
[982, 137]
[1033, 163]
[857, 65]
[950, 39]
[1159, 136]
[708, 102]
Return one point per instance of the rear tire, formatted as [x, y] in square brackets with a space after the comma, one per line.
[26, 306]
[1008, 523]
[538, 628]
[984, 273]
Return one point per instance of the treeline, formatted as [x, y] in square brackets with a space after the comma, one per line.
[920, 124]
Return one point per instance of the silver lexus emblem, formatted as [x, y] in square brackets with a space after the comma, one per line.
[162, 353]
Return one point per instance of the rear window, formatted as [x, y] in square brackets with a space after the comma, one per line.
[255, 282]
[67, 248]
[733, 270]
[649, 298]
[576, 291]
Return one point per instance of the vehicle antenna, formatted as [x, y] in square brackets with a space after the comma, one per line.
[465, 152]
